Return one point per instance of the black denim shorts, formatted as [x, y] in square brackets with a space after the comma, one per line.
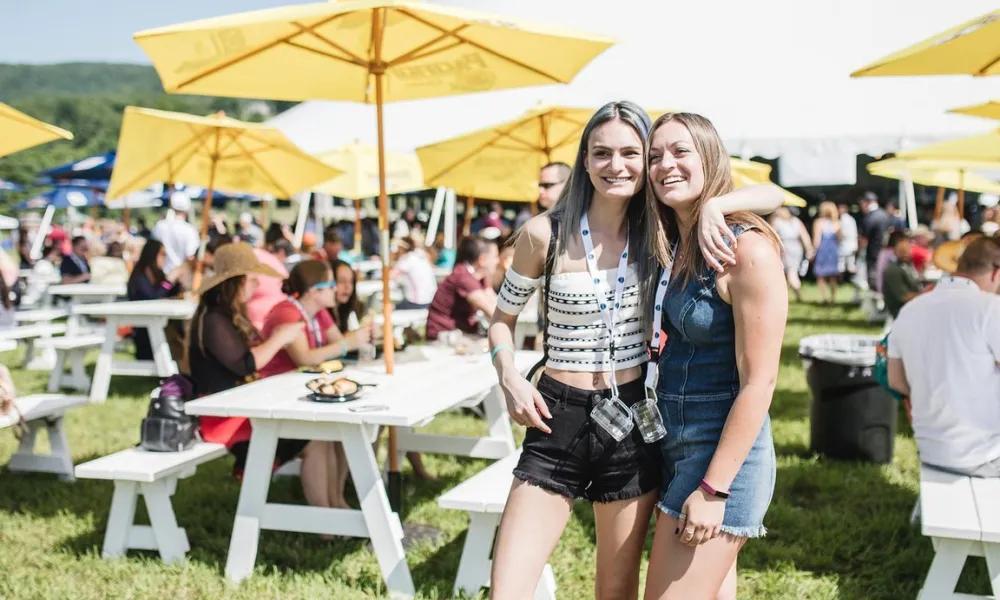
[581, 460]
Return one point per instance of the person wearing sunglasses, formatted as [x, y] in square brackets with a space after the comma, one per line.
[310, 287]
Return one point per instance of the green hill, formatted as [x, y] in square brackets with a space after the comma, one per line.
[88, 99]
[22, 81]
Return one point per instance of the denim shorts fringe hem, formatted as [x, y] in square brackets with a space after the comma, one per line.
[743, 532]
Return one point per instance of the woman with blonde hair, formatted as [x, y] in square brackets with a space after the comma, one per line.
[717, 371]
[796, 247]
[826, 239]
[589, 255]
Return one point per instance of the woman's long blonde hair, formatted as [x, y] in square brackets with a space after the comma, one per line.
[663, 233]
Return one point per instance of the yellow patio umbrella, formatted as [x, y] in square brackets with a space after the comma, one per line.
[19, 131]
[213, 152]
[972, 48]
[986, 110]
[748, 172]
[359, 164]
[941, 173]
[372, 51]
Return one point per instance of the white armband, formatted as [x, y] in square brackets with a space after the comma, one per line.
[515, 292]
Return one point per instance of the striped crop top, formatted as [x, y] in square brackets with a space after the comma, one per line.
[577, 336]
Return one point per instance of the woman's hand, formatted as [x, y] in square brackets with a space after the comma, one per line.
[359, 337]
[524, 404]
[712, 233]
[702, 518]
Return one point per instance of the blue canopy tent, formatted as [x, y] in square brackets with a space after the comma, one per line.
[64, 196]
[92, 168]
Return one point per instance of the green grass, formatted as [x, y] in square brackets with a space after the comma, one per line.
[836, 530]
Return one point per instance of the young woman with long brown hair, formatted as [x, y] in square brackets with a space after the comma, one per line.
[718, 369]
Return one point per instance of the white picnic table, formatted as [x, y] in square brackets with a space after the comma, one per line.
[278, 407]
[151, 314]
[8, 345]
[79, 294]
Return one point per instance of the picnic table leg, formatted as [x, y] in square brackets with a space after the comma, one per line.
[992, 552]
[59, 448]
[56, 377]
[253, 498]
[120, 519]
[102, 370]
[474, 566]
[498, 419]
[384, 527]
[165, 365]
[78, 373]
[171, 540]
[942, 577]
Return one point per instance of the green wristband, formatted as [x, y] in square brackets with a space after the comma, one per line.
[493, 353]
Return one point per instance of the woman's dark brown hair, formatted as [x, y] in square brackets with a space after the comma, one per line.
[6, 299]
[342, 312]
[304, 276]
[226, 297]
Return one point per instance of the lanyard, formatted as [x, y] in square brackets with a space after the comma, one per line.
[608, 313]
[312, 323]
[661, 294]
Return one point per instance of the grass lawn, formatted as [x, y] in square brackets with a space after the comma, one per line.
[836, 530]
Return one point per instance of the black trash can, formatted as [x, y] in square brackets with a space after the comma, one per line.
[851, 416]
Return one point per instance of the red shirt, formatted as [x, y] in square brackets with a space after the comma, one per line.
[920, 256]
[450, 309]
[287, 312]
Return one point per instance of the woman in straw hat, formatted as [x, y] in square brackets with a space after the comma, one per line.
[225, 351]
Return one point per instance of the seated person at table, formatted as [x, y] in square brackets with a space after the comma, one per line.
[7, 308]
[74, 267]
[268, 293]
[413, 271]
[310, 294]
[224, 349]
[149, 282]
[943, 354]
[466, 291]
[348, 310]
[900, 282]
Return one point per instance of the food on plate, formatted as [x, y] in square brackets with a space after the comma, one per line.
[333, 387]
[330, 366]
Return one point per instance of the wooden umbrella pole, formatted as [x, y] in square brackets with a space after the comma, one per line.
[938, 203]
[206, 213]
[125, 216]
[357, 226]
[467, 227]
[388, 349]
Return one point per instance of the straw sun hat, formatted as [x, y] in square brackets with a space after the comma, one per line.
[233, 260]
[947, 254]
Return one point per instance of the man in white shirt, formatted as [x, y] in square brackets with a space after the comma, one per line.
[180, 239]
[944, 354]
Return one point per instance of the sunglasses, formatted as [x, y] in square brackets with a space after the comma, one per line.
[325, 285]
[549, 184]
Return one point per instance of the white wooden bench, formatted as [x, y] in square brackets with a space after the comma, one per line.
[71, 350]
[154, 475]
[484, 496]
[43, 411]
[28, 334]
[961, 515]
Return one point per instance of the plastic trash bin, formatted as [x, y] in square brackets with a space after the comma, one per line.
[851, 416]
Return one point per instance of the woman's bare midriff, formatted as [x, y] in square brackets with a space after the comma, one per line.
[594, 381]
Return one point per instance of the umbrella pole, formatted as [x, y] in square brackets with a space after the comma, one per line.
[395, 488]
[357, 226]
[467, 227]
[961, 194]
[125, 216]
[206, 211]
[938, 203]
